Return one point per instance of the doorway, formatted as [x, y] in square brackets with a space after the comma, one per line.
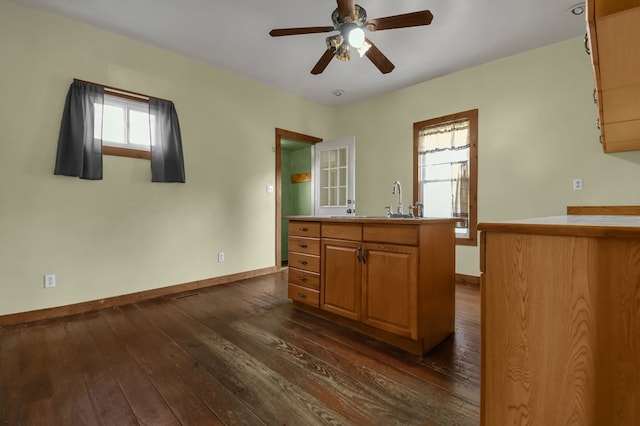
[290, 142]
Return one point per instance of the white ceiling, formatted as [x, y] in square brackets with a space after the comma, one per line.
[234, 35]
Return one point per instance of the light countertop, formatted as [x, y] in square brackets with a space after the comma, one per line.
[579, 225]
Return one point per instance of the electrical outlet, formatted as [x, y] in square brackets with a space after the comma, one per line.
[577, 184]
[220, 257]
[49, 280]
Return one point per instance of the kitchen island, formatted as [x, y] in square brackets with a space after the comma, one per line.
[391, 279]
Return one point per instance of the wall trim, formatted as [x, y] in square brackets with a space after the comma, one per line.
[467, 279]
[125, 299]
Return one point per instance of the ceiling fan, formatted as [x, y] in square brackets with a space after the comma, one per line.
[351, 21]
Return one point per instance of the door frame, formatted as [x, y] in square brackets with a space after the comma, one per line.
[294, 136]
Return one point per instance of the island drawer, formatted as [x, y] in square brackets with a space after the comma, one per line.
[304, 229]
[342, 231]
[304, 295]
[304, 261]
[305, 245]
[304, 278]
[393, 234]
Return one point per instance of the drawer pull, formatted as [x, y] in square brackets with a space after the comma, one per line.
[303, 228]
[303, 262]
[301, 278]
[302, 295]
[301, 245]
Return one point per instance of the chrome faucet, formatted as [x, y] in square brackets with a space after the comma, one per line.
[398, 187]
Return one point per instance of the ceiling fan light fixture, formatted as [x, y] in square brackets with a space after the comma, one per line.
[356, 37]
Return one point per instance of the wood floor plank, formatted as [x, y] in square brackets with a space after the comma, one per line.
[70, 395]
[351, 344]
[144, 399]
[353, 399]
[36, 388]
[108, 400]
[233, 354]
[144, 344]
[427, 402]
[10, 339]
[207, 387]
[256, 385]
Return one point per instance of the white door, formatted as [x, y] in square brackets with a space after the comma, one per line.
[334, 177]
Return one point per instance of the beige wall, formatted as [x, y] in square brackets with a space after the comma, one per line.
[125, 234]
[536, 133]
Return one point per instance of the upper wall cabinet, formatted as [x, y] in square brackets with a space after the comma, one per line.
[614, 36]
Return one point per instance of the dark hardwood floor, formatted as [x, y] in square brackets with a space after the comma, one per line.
[232, 354]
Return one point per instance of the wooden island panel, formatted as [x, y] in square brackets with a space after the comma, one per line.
[560, 321]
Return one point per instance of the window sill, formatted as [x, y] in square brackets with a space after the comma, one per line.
[126, 152]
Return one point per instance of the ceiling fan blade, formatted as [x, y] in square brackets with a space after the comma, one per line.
[413, 19]
[323, 62]
[279, 32]
[379, 60]
[347, 8]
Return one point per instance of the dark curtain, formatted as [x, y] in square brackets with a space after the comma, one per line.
[167, 163]
[79, 152]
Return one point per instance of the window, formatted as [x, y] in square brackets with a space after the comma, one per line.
[124, 124]
[80, 144]
[445, 170]
[333, 178]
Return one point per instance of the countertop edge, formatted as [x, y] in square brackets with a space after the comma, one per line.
[581, 225]
[381, 220]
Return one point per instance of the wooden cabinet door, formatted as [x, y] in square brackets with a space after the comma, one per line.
[340, 278]
[390, 288]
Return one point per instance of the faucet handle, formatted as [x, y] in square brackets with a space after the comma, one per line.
[420, 206]
[388, 210]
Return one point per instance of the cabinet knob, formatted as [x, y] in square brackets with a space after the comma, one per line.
[302, 262]
[303, 279]
[301, 245]
[303, 228]
[302, 295]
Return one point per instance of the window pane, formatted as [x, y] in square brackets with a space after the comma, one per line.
[113, 129]
[324, 197]
[333, 177]
[343, 157]
[139, 128]
[324, 159]
[438, 199]
[97, 121]
[342, 196]
[343, 177]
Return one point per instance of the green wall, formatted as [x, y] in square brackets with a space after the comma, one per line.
[296, 197]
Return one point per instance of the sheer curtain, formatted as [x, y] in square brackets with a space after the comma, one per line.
[460, 193]
[167, 162]
[443, 152]
[79, 151]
